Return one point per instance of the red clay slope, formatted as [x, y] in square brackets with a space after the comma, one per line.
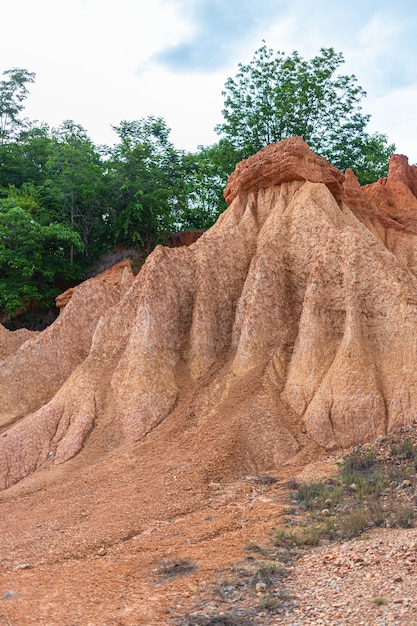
[292, 320]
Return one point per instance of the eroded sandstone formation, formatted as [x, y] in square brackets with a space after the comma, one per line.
[10, 341]
[293, 319]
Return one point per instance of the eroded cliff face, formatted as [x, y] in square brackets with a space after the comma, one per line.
[11, 341]
[292, 320]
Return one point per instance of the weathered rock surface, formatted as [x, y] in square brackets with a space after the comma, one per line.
[35, 372]
[10, 341]
[292, 320]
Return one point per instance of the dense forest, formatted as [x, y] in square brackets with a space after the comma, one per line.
[64, 202]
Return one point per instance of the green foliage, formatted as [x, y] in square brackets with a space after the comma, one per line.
[317, 495]
[277, 96]
[73, 190]
[361, 469]
[23, 159]
[406, 449]
[359, 461]
[269, 602]
[32, 257]
[147, 182]
[206, 173]
[372, 160]
[229, 618]
[13, 92]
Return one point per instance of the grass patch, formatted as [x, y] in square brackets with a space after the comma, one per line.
[309, 535]
[359, 461]
[264, 480]
[373, 488]
[402, 516]
[182, 567]
[269, 602]
[317, 495]
[270, 572]
[369, 491]
[405, 450]
[254, 547]
[216, 619]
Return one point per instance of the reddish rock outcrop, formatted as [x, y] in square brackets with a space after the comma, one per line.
[62, 300]
[282, 163]
[292, 320]
[396, 196]
[184, 238]
[11, 341]
[32, 375]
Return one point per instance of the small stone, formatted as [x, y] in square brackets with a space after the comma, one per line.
[325, 512]
[8, 595]
[102, 551]
[353, 486]
[23, 566]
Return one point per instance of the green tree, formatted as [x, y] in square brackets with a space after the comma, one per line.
[205, 174]
[73, 188]
[33, 258]
[373, 158]
[23, 159]
[146, 174]
[13, 92]
[277, 96]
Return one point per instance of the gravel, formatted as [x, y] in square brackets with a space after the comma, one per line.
[371, 581]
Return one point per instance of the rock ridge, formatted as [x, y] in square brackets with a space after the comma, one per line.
[291, 323]
[280, 163]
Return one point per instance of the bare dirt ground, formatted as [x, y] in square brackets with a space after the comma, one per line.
[142, 537]
[93, 549]
[130, 535]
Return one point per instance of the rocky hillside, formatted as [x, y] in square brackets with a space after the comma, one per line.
[290, 324]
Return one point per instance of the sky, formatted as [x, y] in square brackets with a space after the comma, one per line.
[99, 62]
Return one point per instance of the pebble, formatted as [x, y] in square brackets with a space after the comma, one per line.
[23, 566]
[331, 589]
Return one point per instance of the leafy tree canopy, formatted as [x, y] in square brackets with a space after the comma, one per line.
[147, 177]
[205, 175]
[74, 183]
[277, 96]
[33, 258]
[13, 91]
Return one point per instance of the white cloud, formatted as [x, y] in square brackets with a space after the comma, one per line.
[100, 61]
[218, 29]
[399, 107]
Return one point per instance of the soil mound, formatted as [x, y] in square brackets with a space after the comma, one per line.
[291, 322]
[148, 435]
